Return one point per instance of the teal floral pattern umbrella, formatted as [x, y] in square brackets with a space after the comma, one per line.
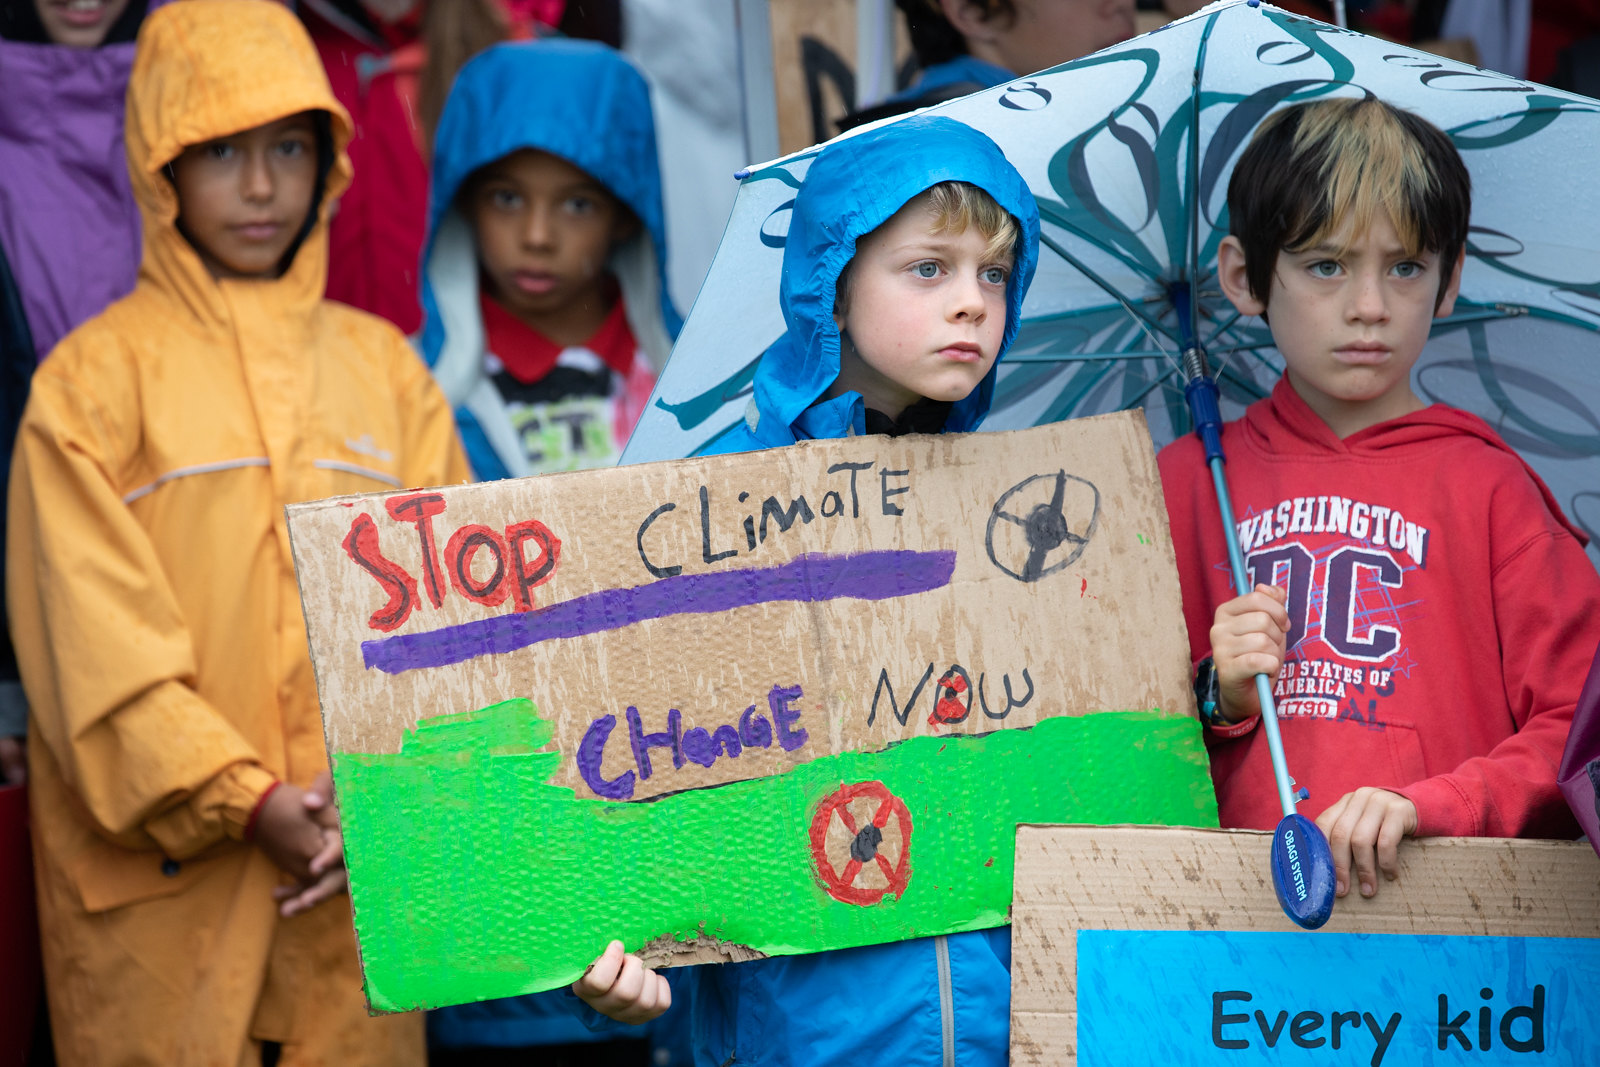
[1129, 152]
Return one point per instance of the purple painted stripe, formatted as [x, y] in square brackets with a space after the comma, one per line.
[814, 576]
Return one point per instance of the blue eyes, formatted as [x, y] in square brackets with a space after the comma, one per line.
[1330, 268]
[929, 268]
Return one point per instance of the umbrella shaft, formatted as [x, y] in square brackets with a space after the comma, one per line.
[1241, 585]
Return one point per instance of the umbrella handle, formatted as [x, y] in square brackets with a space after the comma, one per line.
[1269, 707]
[1302, 863]
[1303, 873]
[1201, 394]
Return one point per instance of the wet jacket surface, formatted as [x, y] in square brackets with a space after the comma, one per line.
[153, 598]
[935, 1000]
[587, 104]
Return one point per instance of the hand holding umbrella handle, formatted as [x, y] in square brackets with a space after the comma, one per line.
[1201, 393]
[1302, 863]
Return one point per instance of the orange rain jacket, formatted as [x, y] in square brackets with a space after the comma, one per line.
[153, 599]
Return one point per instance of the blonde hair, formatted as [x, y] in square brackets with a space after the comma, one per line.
[955, 207]
[959, 206]
[1319, 172]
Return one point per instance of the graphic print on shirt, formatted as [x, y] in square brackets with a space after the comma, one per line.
[566, 420]
[1343, 563]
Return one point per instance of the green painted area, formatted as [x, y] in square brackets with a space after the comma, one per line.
[473, 877]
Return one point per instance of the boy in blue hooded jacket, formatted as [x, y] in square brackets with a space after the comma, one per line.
[545, 307]
[545, 318]
[909, 251]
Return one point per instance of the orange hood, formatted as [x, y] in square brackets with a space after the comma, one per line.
[205, 69]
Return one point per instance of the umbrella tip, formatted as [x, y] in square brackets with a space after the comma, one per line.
[741, 175]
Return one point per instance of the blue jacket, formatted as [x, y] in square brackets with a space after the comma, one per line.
[940, 81]
[937, 1000]
[587, 104]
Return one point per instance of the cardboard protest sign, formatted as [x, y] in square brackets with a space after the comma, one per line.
[738, 706]
[815, 63]
[1164, 945]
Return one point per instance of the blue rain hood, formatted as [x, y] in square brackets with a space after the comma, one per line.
[854, 187]
[578, 100]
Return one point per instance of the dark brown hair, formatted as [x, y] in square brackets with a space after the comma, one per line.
[933, 39]
[1315, 171]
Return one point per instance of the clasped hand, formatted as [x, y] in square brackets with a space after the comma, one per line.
[298, 829]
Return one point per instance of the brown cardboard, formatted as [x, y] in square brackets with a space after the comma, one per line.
[814, 67]
[1071, 878]
[1114, 602]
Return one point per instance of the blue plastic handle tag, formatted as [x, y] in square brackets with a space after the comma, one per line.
[1302, 871]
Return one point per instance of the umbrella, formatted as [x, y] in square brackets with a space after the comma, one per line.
[1133, 208]
[1128, 153]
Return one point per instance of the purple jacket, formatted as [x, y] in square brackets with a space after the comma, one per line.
[68, 223]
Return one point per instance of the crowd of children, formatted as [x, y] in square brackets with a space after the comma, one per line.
[189, 863]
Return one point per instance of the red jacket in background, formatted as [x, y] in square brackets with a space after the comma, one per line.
[1557, 24]
[1443, 611]
[375, 241]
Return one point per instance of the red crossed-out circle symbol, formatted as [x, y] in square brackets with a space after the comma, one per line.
[861, 843]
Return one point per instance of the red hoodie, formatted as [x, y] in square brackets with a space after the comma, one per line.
[1443, 614]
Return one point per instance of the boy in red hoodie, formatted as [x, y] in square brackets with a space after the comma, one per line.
[1425, 609]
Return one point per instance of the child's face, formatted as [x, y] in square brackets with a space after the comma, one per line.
[1350, 323]
[78, 23]
[545, 230]
[924, 313]
[1045, 32]
[242, 199]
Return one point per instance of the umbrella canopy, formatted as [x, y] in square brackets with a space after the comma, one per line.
[1128, 153]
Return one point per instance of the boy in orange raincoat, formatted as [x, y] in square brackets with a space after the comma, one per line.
[177, 759]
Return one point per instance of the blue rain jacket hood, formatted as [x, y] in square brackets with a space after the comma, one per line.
[854, 187]
[589, 105]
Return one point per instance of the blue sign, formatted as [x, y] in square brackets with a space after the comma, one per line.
[1232, 999]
